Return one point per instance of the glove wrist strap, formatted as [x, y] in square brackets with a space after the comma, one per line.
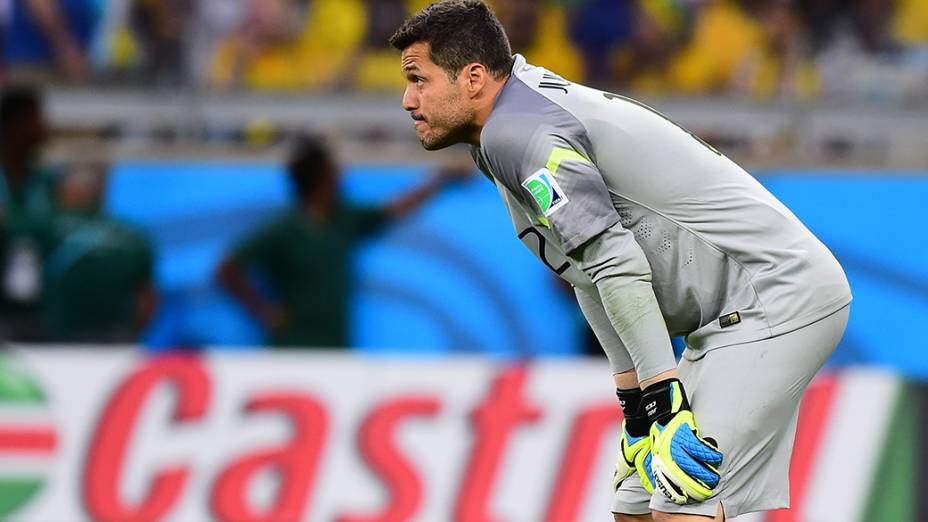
[636, 422]
[662, 400]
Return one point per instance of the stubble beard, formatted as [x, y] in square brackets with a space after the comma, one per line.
[450, 129]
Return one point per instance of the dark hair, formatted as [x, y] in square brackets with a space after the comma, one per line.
[458, 32]
[16, 102]
[310, 161]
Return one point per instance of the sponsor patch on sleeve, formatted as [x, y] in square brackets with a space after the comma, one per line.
[545, 191]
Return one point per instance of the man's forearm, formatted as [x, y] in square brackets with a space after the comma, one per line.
[232, 277]
[622, 276]
[409, 202]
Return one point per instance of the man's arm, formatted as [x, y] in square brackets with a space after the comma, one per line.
[599, 322]
[258, 248]
[146, 304]
[620, 271]
[48, 18]
[233, 279]
[556, 180]
[415, 198]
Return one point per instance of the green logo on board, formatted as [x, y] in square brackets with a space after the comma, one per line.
[29, 437]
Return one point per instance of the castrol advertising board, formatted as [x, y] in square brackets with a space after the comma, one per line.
[113, 435]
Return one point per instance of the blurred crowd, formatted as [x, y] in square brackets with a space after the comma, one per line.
[68, 272]
[71, 273]
[761, 49]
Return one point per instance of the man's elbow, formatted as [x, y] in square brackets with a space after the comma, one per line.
[228, 273]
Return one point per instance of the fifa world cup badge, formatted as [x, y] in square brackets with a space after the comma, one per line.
[545, 191]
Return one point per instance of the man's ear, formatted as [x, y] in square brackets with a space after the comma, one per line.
[476, 77]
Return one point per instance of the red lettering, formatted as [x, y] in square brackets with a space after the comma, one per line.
[494, 421]
[590, 426]
[295, 463]
[377, 443]
[102, 472]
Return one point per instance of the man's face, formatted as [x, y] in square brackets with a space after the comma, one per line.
[439, 105]
[27, 133]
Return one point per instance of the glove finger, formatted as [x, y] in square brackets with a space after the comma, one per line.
[692, 467]
[699, 448]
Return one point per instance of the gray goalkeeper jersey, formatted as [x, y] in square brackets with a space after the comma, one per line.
[729, 262]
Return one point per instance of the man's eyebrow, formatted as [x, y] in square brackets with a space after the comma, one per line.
[410, 67]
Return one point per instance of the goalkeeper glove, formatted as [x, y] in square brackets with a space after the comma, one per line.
[635, 452]
[684, 464]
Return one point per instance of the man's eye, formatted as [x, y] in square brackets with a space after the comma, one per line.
[418, 80]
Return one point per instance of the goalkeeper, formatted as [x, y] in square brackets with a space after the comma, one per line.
[660, 235]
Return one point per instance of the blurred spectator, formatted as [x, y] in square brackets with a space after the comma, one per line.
[26, 213]
[304, 254]
[161, 27]
[857, 51]
[372, 67]
[910, 24]
[865, 24]
[538, 30]
[99, 276]
[778, 64]
[6, 6]
[659, 31]
[47, 40]
[290, 45]
[721, 39]
[599, 28]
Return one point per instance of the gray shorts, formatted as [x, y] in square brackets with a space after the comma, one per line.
[747, 397]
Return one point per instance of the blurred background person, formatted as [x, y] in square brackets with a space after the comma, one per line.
[49, 39]
[660, 29]
[27, 210]
[599, 28]
[778, 63]
[538, 29]
[304, 255]
[372, 65]
[859, 44]
[720, 38]
[288, 45]
[99, 276]
[910, 22]
[6, 6]
[161, 29]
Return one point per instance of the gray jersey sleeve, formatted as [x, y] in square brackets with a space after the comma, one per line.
[620, 271]
[595, 314]
[545, 167]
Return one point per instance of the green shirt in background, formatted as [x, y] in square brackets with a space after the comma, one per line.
[307, 263]
[93, 279]
[27, 214]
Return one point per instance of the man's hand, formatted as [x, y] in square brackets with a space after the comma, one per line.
[684, 464]
[273, 316]
[634, 456]
[635, 452]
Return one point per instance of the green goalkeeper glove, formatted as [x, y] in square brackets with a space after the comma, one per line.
[635, 452]
[684, 464]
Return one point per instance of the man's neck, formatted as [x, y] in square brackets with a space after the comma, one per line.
[318, 207]
[485, 107]
[16, 167]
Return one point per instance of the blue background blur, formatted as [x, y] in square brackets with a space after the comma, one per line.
[453, 277]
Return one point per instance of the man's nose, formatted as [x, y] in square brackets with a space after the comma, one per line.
[410, 101]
